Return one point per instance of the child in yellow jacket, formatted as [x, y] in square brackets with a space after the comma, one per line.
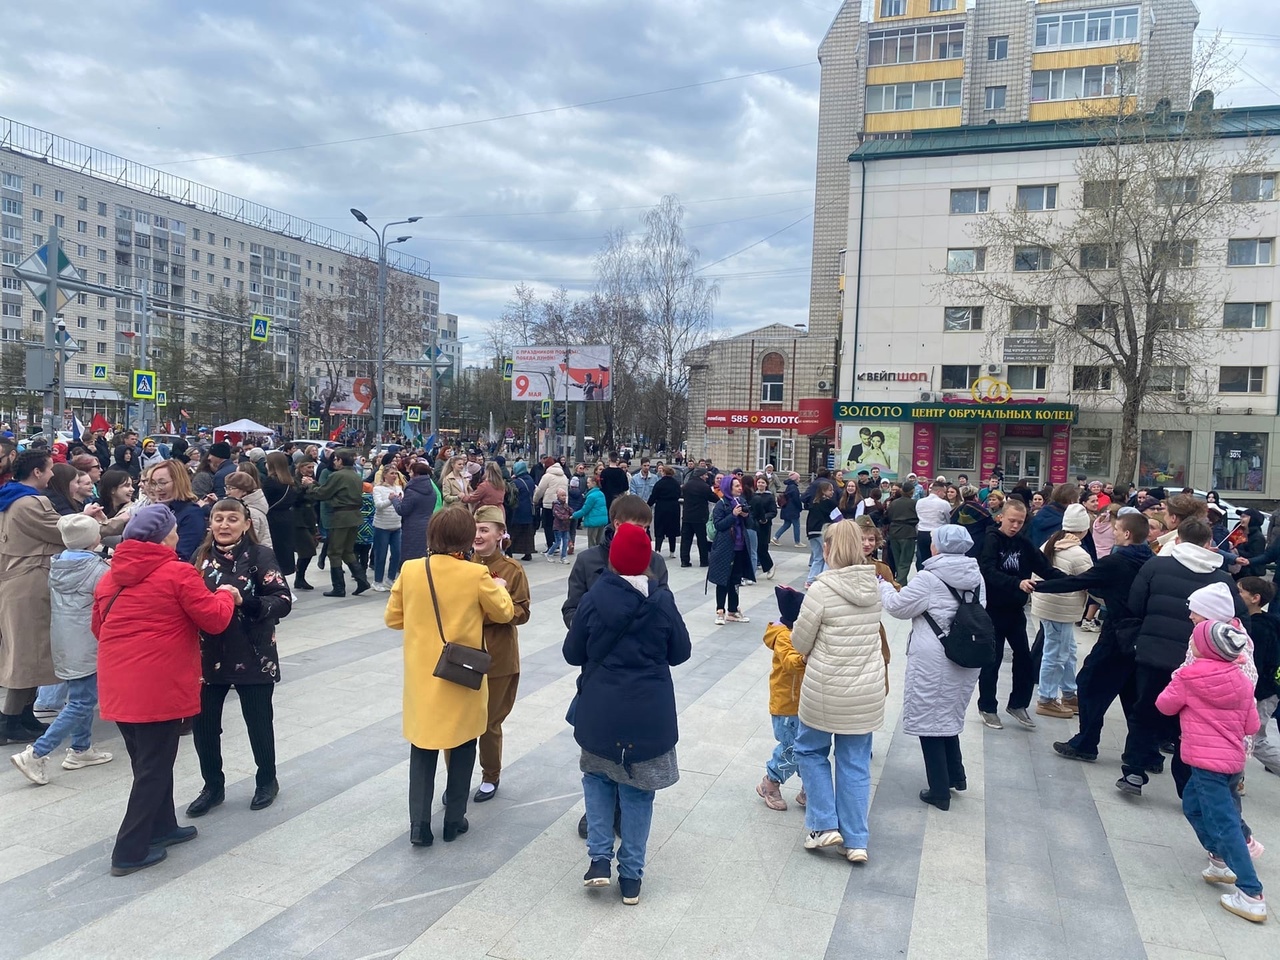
[784, 698]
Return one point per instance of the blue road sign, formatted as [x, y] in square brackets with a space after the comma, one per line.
[313, 425]
[99, 371]
[508, 369]
[144, 384]
[413, 414]
[261, 331]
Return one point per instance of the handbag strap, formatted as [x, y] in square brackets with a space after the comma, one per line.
[110, 603]
[435, 605]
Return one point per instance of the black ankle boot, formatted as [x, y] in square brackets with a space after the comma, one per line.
[357, 574]
[420, 834]
[942, 803]
[456, 829]
[339, 583]
[300, 578]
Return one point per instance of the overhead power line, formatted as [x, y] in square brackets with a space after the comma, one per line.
[482, 120]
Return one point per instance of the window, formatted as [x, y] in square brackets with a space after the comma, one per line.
[1253, 186]
[37, 190]
[1245, 316]
[59, 221]
[1090, 378]
[962, 318]
[996, 97]
[1025, 318]
[893, 8]
[970, 201]
[941, 6]
[82, 323]
[997, 48]
[226, 243]
[1099, 256]
[12, 207]
[1030, 259]
[959, 377]
[1163, 458]
[1239, 461]
[1170, 255]
[1248, 253]
[81, 250]
[12, 232]
[102, 256]
[1039, 197]
[37, 215]
[772, 366]
[102, 209]
[1241, 379]
[102, 233]
[12, 181]
[1175, 190]
[59, 196]
[913, 96]
[968, 260]
[195, 234]
[1020, 377]
[1115, 25]
[1075, 83]
[11, 310]
[102, 324]
[1095, 316]
[1168, 379]
[1177, 316]
[1101, 194]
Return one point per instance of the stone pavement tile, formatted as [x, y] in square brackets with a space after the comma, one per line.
[948, 858]
[297, 931]
[1020, 938]
[557, 925]
[709, 938]
[1022, 891]
[793, 934]
[685, 857]
[811, 880]
[1158, 951]
[686, 792]
[1017, 842]
[1175, 918]
[1092, 880]
[461, 934]
[743, 890]
[1148, 865]
[949, 922]
[1100, 930]
[17, 859]
[871, 925]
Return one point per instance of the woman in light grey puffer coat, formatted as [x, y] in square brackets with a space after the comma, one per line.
[938, 691]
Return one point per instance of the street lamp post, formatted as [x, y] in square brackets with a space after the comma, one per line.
[380, 375]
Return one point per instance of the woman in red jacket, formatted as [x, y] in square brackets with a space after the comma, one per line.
[148, 612]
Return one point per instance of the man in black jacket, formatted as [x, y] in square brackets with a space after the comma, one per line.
[593, 561]
[614, 481]
[1159, 596]
[1007, 561]
[698, 499]
[1108, 670]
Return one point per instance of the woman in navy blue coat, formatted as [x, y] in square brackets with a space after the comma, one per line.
[415, 509]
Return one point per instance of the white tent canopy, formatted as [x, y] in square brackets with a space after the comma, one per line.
[242, 426]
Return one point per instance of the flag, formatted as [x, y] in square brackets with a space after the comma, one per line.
[337, 431]
[77, 427]
[99, 423]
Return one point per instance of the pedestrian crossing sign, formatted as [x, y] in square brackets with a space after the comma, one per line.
[99, 371]
[413, 414]
[313, 425]
[261, 328]
[162, 398]
[508, 368]
[144, 384]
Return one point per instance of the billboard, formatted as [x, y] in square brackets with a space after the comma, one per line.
[867, 445]
[546, 373]
[354, 396]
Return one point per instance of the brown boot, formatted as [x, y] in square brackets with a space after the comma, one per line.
[771, 794]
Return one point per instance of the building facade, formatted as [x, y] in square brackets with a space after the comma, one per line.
[891, 67]
[759, 398]
[950, 391]
[134, 228]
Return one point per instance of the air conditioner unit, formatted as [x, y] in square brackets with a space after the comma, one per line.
[994, 368]
[927, 397]
[1182, 396]
[824, 384]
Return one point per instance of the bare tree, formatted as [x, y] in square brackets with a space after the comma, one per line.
[1110, 275]
[233, 376]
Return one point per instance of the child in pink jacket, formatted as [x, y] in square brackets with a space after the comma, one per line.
[1213, 701]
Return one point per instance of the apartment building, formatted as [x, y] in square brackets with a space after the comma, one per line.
[135, 229]
[943, 382]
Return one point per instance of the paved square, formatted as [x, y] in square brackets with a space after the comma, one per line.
[1041, 857]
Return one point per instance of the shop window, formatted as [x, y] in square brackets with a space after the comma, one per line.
[1239, 461]
[771, 372]
[1241, 379]
[1024, 377]
[1162, 458]
[958, 451]
[1090, 452]
[962, 318]
[959, 376]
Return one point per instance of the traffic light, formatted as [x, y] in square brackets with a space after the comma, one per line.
[560, 419]
[315, 407]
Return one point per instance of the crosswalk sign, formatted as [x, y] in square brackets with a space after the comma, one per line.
[508, 368]
[413, 414]
[99, 371]
[546, 409]
[313, 425]
[261, 331]
[162, 398]
[144, 384]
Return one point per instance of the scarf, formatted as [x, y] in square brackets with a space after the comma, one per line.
[14, 491]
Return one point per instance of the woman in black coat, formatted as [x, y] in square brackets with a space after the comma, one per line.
[730, 563]
[763, 509]
[281, 494]
[415, 509]
[665, 501]
[243, 655]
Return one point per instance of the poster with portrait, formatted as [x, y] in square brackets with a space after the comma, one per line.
[867, 445]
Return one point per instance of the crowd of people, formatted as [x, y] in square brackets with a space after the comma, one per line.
[150, 588]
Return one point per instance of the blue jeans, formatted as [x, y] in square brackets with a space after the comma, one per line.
[75, 720]
[384, 541]
[783, 762]
[1210, 808]
[1058, 665]
[752, 547]
[561, 544]
[795, 528]
[602, 796]
[844, 806]
[51, 697]
[816, 563]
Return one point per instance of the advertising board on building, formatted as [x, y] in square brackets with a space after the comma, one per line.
[353, 397]
[561, 372]
[863, 446]
[1028, 350]
[952, 413]
[753, 419]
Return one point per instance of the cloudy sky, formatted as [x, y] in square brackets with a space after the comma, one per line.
[264, 89]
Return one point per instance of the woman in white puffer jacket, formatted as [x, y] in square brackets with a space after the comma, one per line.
[842, 695]
[1059, 613]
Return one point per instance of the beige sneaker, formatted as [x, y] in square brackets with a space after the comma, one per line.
[1253, 909]
[854, 855]
[75, 759]
[1218, 872]
[31, 766]
[1054, 708]
[771, 794]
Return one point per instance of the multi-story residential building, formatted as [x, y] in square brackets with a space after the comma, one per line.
[135, 228]
[891, 67]
[919, 359]
[447, 341]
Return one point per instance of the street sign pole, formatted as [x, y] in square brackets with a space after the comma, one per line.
[143, 421]
[51, 309]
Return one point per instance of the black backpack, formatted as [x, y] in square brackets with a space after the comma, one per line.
[971, 641]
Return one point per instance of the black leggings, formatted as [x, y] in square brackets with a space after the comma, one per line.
[731, 594]
[206, 730]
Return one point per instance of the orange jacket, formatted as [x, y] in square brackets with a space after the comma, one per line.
[787, 673]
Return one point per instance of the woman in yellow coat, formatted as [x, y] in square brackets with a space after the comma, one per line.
[440, 715]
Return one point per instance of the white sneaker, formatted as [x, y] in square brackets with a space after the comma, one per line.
[772, 571]
[379, 588]
[719, 618]
[74, 760]
[388, 584]
[1241, 904]
[565, 560]
[31, 766]
[855, 855]
[1218, 872]
[823, 838]
[551, 559]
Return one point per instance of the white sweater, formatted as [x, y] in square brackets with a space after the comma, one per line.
[1071, 559]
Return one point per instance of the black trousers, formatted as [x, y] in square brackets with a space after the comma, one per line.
[924, 547]
[422, 782]
[943, 764]
[1106, 673]
[688, 532]
[1011, 628]
[1148, 727]
[548, 526]
[762, 551]
[206, 731]
[729, 593]
[153, 748]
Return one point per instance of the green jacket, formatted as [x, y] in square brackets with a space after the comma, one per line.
[342, 490]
